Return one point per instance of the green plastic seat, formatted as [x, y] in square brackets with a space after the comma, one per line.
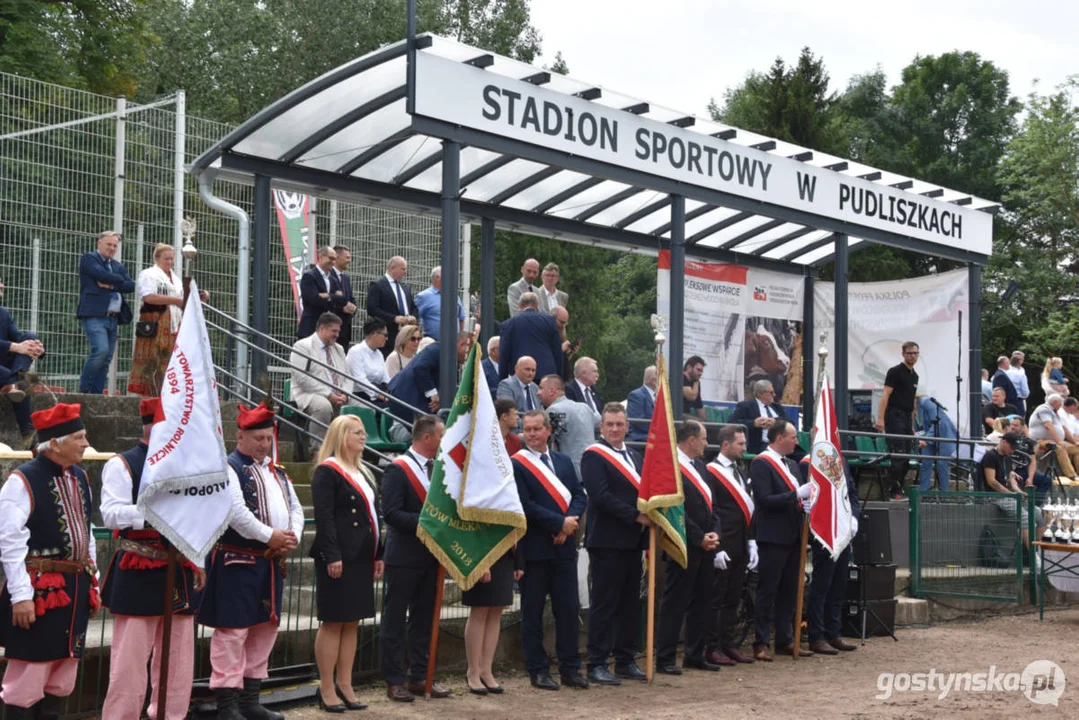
[803, 441]
[376, 438]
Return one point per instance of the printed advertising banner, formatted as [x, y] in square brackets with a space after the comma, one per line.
[745, 323]
[884, 315]
[293, 217]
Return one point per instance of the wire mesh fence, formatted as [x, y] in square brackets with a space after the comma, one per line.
[62, 185]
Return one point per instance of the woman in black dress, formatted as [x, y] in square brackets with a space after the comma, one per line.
[348, 556]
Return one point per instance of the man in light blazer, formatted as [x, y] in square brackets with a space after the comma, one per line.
[519, 388]
[312, 385]
[641, 403]
[549, 294]
[529, 274]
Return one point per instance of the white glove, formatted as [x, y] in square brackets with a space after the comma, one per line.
[853, 526]
[753, 557]
[721, 560]
[804, 491]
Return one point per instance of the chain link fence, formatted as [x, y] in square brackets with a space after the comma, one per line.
[62, 185]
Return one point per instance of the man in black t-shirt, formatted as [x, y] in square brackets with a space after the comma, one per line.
[692, 403]
[896, 414]
[999, 474]
[998, 408]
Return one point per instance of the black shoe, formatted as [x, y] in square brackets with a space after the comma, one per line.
[668, 669]
[544, 681]
[338, 708]
[249, 705]
[602, 676]
[700, 664]
[350, 704]
[51, 707]
[14, 712]
[228, 700]
[575, 680]
[492, 689]
[630, 672]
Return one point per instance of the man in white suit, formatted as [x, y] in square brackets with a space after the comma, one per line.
[549, 294]
[312, 384]
[519, 388]
[529, 274]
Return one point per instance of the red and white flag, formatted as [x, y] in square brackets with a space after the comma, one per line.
[830, 517]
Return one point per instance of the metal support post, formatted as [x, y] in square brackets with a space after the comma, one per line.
[676, 335]
[451, 258]
[841, 393]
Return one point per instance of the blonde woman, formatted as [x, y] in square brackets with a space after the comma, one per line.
[348, 557]
[162, 294]
[404, 349]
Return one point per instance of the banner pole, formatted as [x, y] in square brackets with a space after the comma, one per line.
[801, 589]
[166, 631]
[650, 658]
[432, 652]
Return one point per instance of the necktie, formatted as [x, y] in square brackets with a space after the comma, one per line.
[401, 309]
[528, 398]
[588, 395]
[546, 461]
[768, 411]
[430, 467]
[625, 455]
[329, 361]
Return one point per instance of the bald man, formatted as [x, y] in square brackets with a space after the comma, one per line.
[390, 300]
[520, 388]
[527, 284]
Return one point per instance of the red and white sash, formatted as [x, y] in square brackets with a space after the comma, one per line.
[741, 496]
[615, 458]
[781, 468]
[417, 476]
[698, 482]
[546, 477]
[364, 488]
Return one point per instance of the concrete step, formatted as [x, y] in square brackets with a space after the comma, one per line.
[911, 611]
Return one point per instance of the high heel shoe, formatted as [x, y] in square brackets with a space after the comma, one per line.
[350, 704]
[476, 691]
[493, 689]
[329, 708]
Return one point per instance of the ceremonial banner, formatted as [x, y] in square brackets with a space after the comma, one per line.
[293, 219]
[660, 494]
[472, 514]
[184, 492]
[830, 516]
[745, 323]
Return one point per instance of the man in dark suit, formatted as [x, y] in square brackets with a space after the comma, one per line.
[490, 364]
[687, 593]
[530, 333]
[390, 300]
[1001, 379]
[737, 546]
[828, 587]
[757, 414]
[320, 292]
[582, 388]
[779, 496]
[348, 311]
[411, 570]
[417, 384]
[553, 502]
[615, 536]
[641, 403]
[18, 350]
[103, 281]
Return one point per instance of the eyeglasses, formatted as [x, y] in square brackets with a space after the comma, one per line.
[910, 352]
[414, 339]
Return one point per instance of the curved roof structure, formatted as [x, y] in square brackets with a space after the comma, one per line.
[554, 156]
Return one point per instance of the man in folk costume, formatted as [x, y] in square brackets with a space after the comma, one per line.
[687, 595]
[245, 571]
[411, 569]
[134, 592]
[738, 545]
[781, 501]
[553, 502]
[615, 535]
[51, 567]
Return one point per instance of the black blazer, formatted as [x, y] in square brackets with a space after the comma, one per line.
[544, 516]
[745, 413]
[612, 504]
[314, 305]
[382, 303]
[535, 334]
[401, 509]
[342, 530]
[345, 338]
[736, 536]
[699, 519]
[779, 514]
[573, 392]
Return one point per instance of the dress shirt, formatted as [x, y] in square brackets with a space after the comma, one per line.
[552, 298]
[15, 506]
[117, 510]
[530, 402]
[729, 469]
[367, 366]
[115, 301]
[429, 308]
[398, 293]
[1019, 380]
[284, 513]
[586, 393]
[766, 410]
[325, 277]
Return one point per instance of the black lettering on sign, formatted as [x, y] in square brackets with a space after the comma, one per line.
[548, 118]
[807, 186]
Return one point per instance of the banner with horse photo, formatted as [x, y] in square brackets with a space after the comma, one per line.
[745, 323]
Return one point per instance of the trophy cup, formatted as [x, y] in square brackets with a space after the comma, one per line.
[1061, 516]
[1049, 511]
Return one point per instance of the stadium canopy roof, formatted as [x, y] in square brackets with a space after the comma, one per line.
[554, 156]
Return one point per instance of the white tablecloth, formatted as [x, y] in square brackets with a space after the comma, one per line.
[1061, 580]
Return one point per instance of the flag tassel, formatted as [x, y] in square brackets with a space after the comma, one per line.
[801, 588]
[650, 634]
[432, 653]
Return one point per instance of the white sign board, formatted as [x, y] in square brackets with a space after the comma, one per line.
[464, 95]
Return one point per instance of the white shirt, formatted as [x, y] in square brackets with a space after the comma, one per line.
[766, 410]
[15, 505]
[586, 393]
[393, 288]
[325, 276]
[367, 366]
[726, 466]
[284, 513]
[117, 510]
[552, 298]
[1019, 380]
[1069, 421]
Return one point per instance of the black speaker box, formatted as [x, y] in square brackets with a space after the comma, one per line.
[873, 543]
[870, 582]
[882, 624]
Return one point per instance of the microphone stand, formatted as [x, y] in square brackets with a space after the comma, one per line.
[959, 399]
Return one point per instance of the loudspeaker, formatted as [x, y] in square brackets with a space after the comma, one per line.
[873, 543]
[881, 621]
[870, 582]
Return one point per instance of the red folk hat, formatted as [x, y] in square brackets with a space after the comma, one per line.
[256, 418]
[59, 420]
[150, 410]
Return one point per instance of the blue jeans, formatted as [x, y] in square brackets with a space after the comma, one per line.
[925, 473]
[9, 375]
[101, 332]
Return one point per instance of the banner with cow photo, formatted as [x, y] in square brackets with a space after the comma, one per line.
[746, 324]
[294, 221]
